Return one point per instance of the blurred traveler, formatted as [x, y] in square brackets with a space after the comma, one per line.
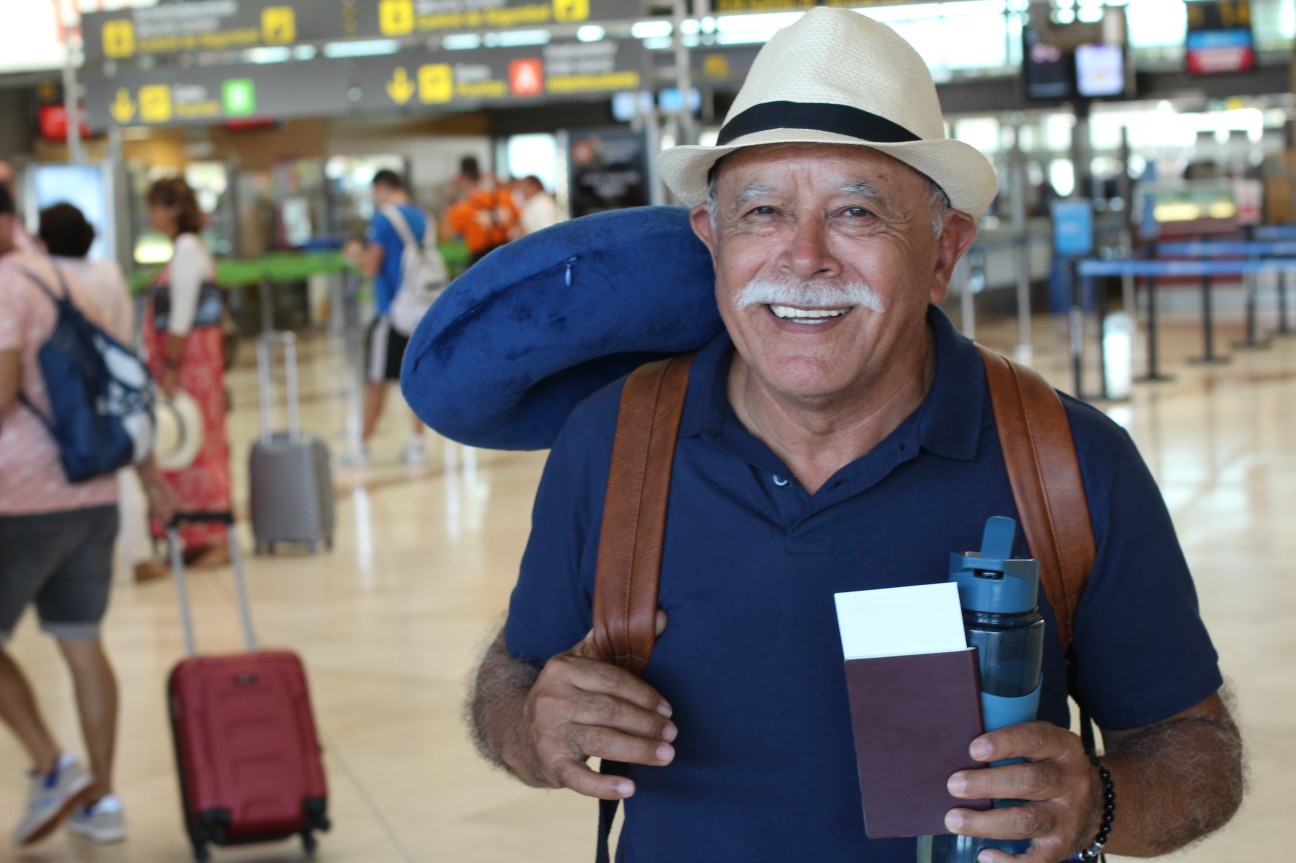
[67, 237]
[380, 258]
[56, 552]
[539, 209]
[485, 216]
[182, 337]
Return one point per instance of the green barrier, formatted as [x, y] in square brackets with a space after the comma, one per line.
[289, 267]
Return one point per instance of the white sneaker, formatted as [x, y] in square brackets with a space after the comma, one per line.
[101, 821]
[50, 798]
[413, 453]
[355, 458]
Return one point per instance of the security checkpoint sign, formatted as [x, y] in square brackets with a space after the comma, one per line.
[461, 79]
[394, 18]
[212, 94]
[209, 25]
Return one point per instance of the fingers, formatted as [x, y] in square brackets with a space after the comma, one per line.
[1038, 741]
[590, 692]
[1055, 780]
[581, 708]
[583, 780]
[1031, 780]
[1041, 823]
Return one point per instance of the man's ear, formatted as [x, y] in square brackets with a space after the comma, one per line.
[960, 230]
[700, 219]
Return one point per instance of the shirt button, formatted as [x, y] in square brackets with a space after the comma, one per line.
[779, 481]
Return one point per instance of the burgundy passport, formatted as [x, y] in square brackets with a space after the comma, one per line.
[914, 717]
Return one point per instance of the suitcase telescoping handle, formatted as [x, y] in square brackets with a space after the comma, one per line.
[265, 380]
[236, 562]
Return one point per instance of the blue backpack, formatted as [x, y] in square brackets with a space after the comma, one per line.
[101, 394]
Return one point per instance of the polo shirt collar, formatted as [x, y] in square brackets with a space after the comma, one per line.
[948, 421]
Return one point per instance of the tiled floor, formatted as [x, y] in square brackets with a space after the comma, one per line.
[391, 621]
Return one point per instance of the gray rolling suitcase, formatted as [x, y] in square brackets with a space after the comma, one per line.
[290, 474]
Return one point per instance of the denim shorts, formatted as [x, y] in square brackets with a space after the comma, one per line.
[62, 563]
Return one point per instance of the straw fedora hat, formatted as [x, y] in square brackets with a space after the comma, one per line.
[179, 432]
[837, 77]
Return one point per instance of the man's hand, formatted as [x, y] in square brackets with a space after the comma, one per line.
[1061, 788]
[544, 724]
[1175, 780]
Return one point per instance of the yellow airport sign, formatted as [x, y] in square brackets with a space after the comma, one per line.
[436, 83]
[155, 103]
[118, 39]
[210, 25]
[396, 17]
[279, 25]
[123, 107]
[400, 88]
[566, 11]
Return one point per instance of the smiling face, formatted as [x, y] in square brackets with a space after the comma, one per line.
[826, 258]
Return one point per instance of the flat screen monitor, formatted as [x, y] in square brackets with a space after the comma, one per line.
[1219, 37]
[1048, 71]
[1100, 70]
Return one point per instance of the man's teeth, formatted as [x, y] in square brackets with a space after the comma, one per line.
[791, 313]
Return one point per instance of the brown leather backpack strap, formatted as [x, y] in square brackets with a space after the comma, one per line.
[634, 512]
[1046, 484]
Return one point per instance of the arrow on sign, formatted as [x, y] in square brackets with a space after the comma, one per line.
[400, 87]
[123, 107]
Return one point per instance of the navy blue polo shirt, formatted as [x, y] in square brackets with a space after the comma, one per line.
[751, 660]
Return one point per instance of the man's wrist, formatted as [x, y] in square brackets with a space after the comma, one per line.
[1107, 795]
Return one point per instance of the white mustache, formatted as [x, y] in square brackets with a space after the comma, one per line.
[766, 292]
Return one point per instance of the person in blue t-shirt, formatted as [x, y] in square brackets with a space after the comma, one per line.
[380, 258]
[839, 436]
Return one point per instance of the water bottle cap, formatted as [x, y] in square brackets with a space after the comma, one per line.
[991, 580]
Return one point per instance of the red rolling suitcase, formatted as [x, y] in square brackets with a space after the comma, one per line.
[246, 748]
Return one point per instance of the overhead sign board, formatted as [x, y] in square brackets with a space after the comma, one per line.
[394, 18]
[461, 79]
[209, 25]
[213, 94]
[730, 7]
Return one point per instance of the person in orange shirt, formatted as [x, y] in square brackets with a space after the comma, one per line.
[485, 216]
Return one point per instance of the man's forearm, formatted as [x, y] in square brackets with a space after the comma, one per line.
[1175, 782]
[495, 704]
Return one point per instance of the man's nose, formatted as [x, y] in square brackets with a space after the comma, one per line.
[807, 252]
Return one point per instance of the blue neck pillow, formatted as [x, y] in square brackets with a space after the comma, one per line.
[513, 344]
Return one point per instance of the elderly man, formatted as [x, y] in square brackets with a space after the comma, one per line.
[839, 436]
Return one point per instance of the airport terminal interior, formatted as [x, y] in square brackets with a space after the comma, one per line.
[1133, 141]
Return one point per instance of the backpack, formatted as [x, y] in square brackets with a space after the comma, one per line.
[1038, 451]
[101, 393]
[423, 274]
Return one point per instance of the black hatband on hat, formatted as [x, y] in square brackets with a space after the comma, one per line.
[820, 116]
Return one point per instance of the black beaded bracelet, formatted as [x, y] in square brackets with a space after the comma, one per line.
[1094, 851]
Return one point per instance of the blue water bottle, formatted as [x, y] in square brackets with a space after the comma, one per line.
[1001, 618]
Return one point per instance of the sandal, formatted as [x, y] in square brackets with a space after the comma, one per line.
[207, 556]
[151, 570]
